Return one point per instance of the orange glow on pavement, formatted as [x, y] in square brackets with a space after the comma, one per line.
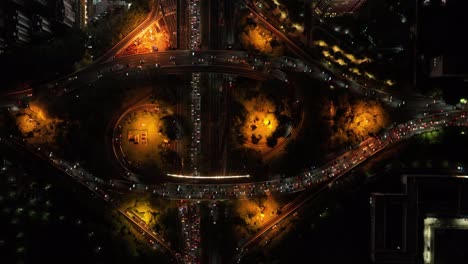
[257, 37]
[357, 121]
[261, 121]
[255, 213]
[36, 126]
[153, 39]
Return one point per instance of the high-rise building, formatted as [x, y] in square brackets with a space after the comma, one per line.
[65, 12]
[44, 3]
[41, 25]
[3, 45]
[333, 8]
[26, 21]
[22, 27]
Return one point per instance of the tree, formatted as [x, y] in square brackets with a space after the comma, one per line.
[255, 139]
[272, 141]
[172, 127]
[115, 26]
[274, 43]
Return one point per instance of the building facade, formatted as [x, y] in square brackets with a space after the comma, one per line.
[23, 22]
[65, 12]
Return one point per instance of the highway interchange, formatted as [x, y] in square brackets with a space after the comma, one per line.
[428, 115]
[227, 62]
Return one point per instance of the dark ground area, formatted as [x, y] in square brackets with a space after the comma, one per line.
[47, 217]
[450, 246]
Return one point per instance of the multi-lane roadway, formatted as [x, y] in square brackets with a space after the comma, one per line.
[429, 115]
[248, 65]
[336, 167]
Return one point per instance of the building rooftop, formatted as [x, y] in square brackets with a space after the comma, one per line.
[399, 220]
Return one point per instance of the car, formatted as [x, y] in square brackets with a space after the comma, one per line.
[142, 61]
[172, 58]
[156, 65]
[117, 67]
